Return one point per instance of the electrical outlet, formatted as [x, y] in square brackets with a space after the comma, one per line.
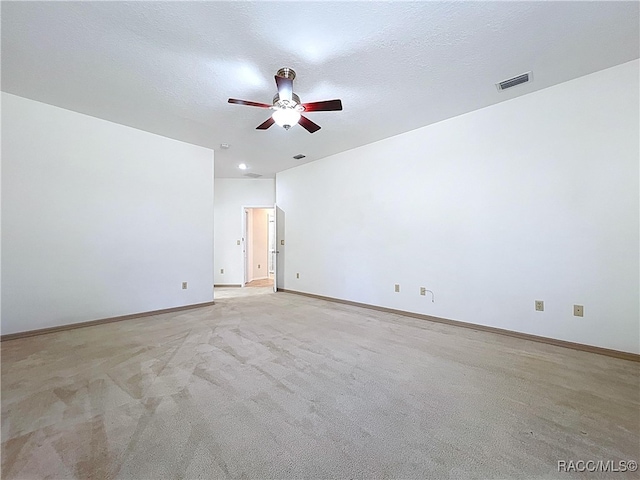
[397, 287]
[237, 242]
[184, 285]
[539, 306]
[222, 271]
[297, 275]
[423, 290]
[281, 242]
[578, 311]
[258, 265]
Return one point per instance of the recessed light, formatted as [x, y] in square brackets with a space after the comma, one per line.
[242, 166]
[224, 146]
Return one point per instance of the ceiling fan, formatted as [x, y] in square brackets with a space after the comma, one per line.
[287, 107]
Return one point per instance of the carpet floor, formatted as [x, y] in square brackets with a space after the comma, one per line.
[285, 386]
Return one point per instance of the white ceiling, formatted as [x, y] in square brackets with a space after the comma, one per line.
[169, 67]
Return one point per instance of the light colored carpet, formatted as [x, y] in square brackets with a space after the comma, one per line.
[284, 386]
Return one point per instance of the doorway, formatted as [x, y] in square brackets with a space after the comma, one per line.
[259, 243]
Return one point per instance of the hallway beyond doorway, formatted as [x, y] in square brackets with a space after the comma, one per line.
[263, 282]
[259, 244]
[256, 287]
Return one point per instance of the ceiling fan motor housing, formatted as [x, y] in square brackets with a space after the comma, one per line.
[295, 102]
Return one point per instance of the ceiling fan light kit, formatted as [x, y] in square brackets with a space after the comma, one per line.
[287, 106]
[286, 117]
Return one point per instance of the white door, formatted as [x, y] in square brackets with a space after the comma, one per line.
[278, 278]
[271, 245]
[245, 247]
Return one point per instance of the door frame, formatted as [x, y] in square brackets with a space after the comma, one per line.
[245, 253]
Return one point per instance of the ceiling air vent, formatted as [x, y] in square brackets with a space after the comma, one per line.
[252, 175]
[517, 80]
[299, 156]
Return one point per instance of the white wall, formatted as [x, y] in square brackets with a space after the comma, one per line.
[231, 196]
[99, 219]
[535, 198]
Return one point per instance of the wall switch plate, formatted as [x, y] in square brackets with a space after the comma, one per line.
[237, 242]
[397, 287]
[578, 311]
[423, 290]
[297, 275]
[258, 265]
[539, 306]
[222, 271]
[184, 285]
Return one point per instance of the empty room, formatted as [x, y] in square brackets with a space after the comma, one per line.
[350, 240]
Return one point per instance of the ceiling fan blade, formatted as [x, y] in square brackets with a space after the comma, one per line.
[324, 106]
[250, 104]
[308, 125]
[266, 124]
[285, 87]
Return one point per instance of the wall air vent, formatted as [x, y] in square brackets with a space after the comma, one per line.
[299, 156]
[252, 175]
[517, 80]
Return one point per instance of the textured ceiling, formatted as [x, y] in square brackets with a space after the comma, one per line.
[169, 68]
